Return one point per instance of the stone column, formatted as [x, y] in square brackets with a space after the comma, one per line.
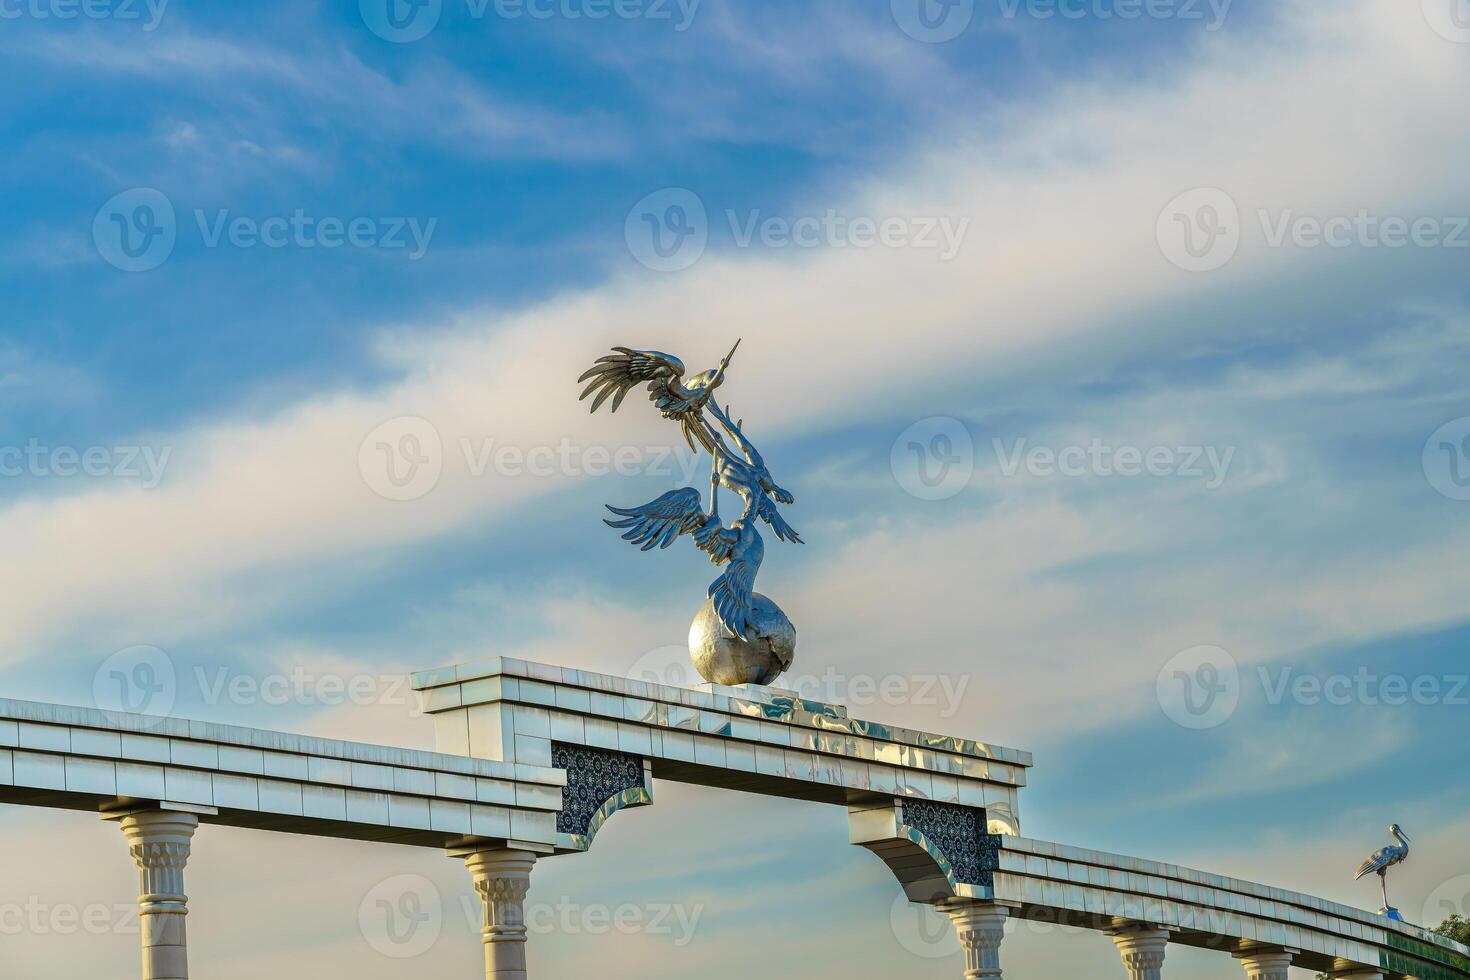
[1142, 949]
[1266, 964]
[159, 840]
[981, 927]
[502, 879]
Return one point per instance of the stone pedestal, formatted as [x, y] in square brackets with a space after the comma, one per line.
[1143, 950]
[502, 879]
[159, 841]
[1266, 964]
[980, 927]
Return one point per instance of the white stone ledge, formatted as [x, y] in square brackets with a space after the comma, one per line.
[506, 678]
[78, 758]
[152, 738]
[1072, 882]
[769, 742]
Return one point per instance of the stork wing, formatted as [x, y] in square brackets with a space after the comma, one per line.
[619, 371]
[616, 374]
[1370, 866]
[766, 508]
[659, 522]
[734, 595]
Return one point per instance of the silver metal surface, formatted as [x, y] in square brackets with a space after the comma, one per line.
[750, 629]
[1383, 859]
[721, 657]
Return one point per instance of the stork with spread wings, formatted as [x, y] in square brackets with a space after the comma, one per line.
[736, 465]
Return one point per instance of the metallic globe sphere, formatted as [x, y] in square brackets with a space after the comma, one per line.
[722, 658]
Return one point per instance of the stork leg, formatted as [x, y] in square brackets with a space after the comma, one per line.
[714, 489]
[1383, 880]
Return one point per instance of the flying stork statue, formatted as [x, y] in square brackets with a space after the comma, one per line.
[1383, 859]
[740, 636]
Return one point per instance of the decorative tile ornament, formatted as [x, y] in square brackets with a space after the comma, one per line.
[595, 777]
[959, 834]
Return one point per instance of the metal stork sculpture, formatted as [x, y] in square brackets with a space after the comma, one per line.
[760, 640]
[1383, 859]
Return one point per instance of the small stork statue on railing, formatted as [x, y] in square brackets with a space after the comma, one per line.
[1383, 859]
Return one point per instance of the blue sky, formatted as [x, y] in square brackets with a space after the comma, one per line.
[1131, 265]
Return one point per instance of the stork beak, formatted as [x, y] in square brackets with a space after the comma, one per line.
[720, 374]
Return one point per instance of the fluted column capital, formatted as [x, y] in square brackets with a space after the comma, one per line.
[981, 928]
[1143, 949]
[160, 842]
[1264, 963]
[1345, 970]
